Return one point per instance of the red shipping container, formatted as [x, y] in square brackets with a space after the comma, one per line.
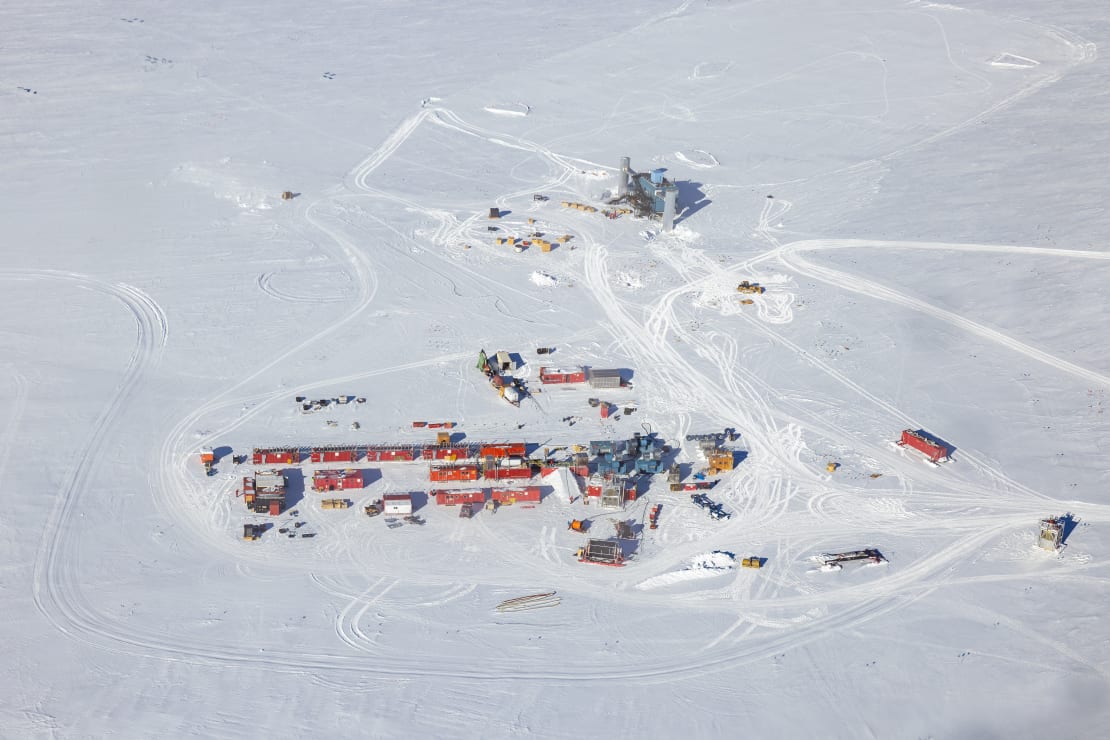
[502, 473]
[347, 454]
[277, 457]
[513, 495]
[432, 452]
[931, 449]
[453, 472]
[550, 375]
[275, 508]
[392, 454]
[451, 498]
[325, 480]
[507, 449]
[333, 480]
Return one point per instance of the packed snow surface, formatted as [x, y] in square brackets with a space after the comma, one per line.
[544, 280]
[212, 209]
[706, 565]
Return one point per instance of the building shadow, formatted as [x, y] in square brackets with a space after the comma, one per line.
[628, 547]
[691, 199]
[1068, 523]
[294, 487]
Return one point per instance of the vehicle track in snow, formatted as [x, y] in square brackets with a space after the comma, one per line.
[55, 589]
[14, 415]
[738, 397]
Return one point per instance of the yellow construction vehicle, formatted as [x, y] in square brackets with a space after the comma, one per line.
[747, 287]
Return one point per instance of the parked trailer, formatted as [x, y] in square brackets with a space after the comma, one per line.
[442, 473]
[334, 454]
[601, 552]
[454, 498]
[509, 496]
[933, 450]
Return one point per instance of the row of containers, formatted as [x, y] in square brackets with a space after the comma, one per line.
[265, 493]
[384, 453]
[493, 461]
[503, 496]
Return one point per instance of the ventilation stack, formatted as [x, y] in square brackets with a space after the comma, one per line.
[623, 176]
[670, 197]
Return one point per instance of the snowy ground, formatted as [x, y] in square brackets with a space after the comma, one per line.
[919, 186]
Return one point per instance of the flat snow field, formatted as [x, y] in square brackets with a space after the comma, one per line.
[920, 188]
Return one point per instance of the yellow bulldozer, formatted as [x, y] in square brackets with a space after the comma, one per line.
[747, 287]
